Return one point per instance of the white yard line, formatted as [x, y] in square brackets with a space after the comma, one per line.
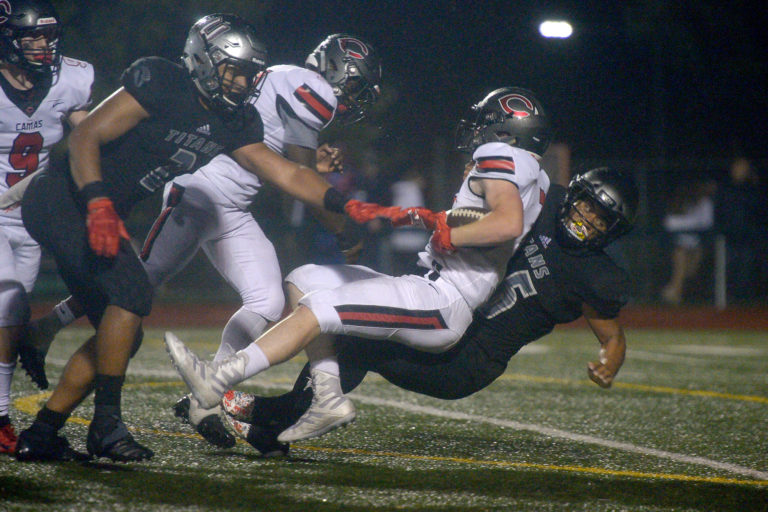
[516, 425]
[571, 436]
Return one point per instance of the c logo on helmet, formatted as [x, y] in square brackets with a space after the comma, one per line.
[353, 47]
[507, 104]
[5, 10]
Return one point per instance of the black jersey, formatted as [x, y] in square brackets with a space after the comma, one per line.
[179, 137]
[544, 286]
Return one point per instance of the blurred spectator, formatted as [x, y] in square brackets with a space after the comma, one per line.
[690, 213]
[739, 216]
[404, 243]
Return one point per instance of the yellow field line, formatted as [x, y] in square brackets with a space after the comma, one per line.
[639, 387]
[549, 467]
[31, 404]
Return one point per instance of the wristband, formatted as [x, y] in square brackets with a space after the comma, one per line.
[93, 190]
[334, 201]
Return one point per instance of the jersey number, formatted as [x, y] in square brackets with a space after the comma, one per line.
[183, 161]
[518, 283]
[24, 156]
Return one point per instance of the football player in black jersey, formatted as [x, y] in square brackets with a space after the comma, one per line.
[166, 119]
[559, 274]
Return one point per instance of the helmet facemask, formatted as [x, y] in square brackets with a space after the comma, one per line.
[224, 59]
[586, 223]
[355, 99]
[353, 71]
[29, 38]
[598, 208]
[236, 81]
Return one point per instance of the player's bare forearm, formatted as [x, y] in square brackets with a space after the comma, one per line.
[294, 179]
[503, 223]
[613, 347]
[611, 357]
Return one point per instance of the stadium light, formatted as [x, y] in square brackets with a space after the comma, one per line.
[556, 29]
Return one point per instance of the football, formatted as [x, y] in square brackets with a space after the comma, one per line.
[464, 215]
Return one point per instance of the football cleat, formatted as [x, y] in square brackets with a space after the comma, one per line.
[8, 439]
[35, 446]
[209, 425]
[207, 381]
[181, 408]
[239, 405]
[329, 409]
[111, 439]
[262, 439]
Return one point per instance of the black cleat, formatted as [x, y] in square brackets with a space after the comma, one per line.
[265, 441]
[115, 442]
[212, 429]
[33, 362]
[34, 446]
[181, 408]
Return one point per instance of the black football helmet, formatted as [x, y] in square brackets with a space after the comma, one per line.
[511, 115]
[220, 47]
[22, 20]
[353, 69]
[615, 197]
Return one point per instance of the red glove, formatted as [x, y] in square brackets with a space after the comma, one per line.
[361, 212]
[441, 238]
[105, 227]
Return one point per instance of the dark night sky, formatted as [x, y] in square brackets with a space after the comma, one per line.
[606, 91]
[645, 79]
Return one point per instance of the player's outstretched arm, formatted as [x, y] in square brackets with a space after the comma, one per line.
[294, 179]
[613, 347]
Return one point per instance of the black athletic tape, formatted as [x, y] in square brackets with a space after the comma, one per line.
[334, 201]
[93, 190]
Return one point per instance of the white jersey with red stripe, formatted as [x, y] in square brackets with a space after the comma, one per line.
[476, 271]
[26, 138]
[294, 104]
[430, 312]
[209, 208]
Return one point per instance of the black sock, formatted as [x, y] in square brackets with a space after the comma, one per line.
[48, 421]
[108, 393]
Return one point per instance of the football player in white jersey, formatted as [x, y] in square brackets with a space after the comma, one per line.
[39, 91]
[209, 208]
[428, 312]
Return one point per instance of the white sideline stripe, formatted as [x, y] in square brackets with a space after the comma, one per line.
[552, 432]
[516, 425]
[716, 350]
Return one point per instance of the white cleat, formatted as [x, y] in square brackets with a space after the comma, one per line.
[207, 381]
[329, 409]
